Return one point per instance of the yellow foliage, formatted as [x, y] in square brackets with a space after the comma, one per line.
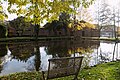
[70, 25]
[80, 50]
[80, 25]
[88, 25]
[3, 16]
[1, 8]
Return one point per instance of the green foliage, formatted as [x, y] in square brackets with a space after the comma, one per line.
[19, 23]
[86, 3]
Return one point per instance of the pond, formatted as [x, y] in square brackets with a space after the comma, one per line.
[33, 56]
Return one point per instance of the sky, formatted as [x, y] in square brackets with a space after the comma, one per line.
[113, 3]
[92, 8]
[10, 16]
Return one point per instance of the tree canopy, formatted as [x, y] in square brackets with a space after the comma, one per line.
[2, 13]
[37, 11]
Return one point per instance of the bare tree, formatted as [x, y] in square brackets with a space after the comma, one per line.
[104, 14]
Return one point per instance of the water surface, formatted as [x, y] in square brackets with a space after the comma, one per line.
[33, 56]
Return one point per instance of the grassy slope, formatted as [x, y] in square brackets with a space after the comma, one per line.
[106, 71]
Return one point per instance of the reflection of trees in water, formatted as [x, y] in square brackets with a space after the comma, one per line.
[86, 48]
[21, 51]
[58, 49]
[3, 52]
[115, 51]
[109, 55]
[87, 55]
[36, 62]
[80, 50]
[65, 49]
[25, 50]
[104, 57]
[37, 58]
[30, 66]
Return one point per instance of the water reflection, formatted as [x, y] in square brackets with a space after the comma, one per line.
[37, 57]
[33, 56]
[3, 52]
[107, 51]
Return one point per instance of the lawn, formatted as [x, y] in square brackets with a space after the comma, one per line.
[105, 71]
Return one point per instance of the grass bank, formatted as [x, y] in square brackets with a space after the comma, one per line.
[55, 38]
[106, 71]
[33, 38]
[102, 38]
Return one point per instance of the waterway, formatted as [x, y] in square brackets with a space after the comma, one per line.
[33, 56]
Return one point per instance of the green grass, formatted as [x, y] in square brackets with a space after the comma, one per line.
[23, 76]
[106, 71]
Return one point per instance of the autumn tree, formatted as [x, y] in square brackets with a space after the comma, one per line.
[37, 11]
[83, 19]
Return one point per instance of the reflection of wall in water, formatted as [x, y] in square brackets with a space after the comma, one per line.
[21, 51]
[86, 44]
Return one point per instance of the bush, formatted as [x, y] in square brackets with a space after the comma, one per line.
[2, 31]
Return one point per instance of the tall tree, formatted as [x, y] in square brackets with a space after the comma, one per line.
[104, 14]
[37, 11]
[118, 21]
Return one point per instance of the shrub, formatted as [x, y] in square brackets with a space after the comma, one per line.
[2, 31]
